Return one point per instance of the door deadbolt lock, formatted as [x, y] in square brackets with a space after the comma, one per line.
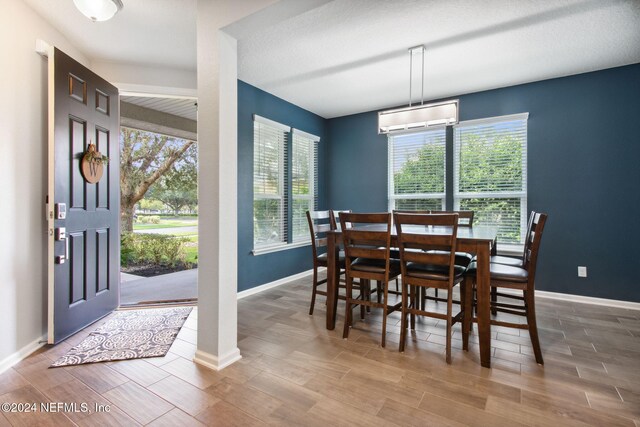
[61, 235]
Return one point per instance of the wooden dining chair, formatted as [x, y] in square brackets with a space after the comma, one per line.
[512, 277]
[318, 227]
[367, 238]
[514, 261]
[428, 261]
[319, 224]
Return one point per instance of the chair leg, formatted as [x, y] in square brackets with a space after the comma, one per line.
[385, 309]
[467, 288]
[379, 291]
[494, 300]
[529, 300]
[415, 292]
[403, 320]
[449, 321]
[313, 292]
[347, 313]
[364, 296]
[422, 297]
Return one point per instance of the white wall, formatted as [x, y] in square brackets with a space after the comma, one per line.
[23, 175]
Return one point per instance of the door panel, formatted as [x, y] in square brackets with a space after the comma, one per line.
[85, 263]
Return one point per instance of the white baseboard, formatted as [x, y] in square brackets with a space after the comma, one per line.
[21, 354]
[216, 363]
[629, 305]
[273, 284]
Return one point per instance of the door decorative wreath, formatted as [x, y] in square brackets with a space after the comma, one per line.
[92, 164]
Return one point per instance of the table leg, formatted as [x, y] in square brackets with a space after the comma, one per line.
[483, 291]
[333, 277]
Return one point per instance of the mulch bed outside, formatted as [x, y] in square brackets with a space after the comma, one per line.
[151, 270]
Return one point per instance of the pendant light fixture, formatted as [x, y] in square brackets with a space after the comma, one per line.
[418, 116]
[99, 10]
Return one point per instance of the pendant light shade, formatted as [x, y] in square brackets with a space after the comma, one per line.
[99, 10]
[418, 116]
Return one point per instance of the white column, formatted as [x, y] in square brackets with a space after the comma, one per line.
[218, 163]
[217, 193]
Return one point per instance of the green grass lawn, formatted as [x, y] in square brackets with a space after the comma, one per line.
[192, 250]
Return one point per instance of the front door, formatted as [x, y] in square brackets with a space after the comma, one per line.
[84, 236]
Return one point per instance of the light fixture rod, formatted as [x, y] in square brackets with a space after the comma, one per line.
[410, 74]
[422, 95]
[413, 51]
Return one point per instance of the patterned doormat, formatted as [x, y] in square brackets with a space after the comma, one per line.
[129, 334]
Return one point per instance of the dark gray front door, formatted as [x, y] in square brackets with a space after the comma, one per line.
[84, 236]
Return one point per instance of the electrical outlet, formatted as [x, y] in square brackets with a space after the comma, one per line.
[582, 271]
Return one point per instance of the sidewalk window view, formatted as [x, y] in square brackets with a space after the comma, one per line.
[489, 172]
[284, 184]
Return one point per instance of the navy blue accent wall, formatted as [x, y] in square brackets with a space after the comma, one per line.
[583, 170]
[357, 164]
[257, 270]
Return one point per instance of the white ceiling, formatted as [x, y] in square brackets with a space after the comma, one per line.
[181, 107]
[349, 56]
[145, 32]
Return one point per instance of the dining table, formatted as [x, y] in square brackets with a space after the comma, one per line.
[476, 240]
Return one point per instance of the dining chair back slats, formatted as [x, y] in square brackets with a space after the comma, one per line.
[335, 217]
[320, 214]
[321, 243]
[437, 241]
[323, 228]
[465, 218]
[422, 257]
[368, 237]
[367, 252]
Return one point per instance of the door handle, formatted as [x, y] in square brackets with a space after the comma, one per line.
[61, 235]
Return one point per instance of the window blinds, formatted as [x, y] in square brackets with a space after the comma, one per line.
[304, 173]
[490, 173]
[269, 180]
[417, 170]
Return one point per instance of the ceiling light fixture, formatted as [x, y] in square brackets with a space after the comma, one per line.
[99, 10]
[418, 116]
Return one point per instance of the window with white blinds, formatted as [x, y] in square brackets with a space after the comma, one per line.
[269, 181]
[490, 173]
[417, 170]
[285, 185]
[304, 172]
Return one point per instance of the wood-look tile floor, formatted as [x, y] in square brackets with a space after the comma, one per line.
[295, 372]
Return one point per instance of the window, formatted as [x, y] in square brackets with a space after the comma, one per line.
[304, 180]
[284, 185]
[490, 173]
[269, 201]
[417, 170]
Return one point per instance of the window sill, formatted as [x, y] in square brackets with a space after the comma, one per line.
[279, 248]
